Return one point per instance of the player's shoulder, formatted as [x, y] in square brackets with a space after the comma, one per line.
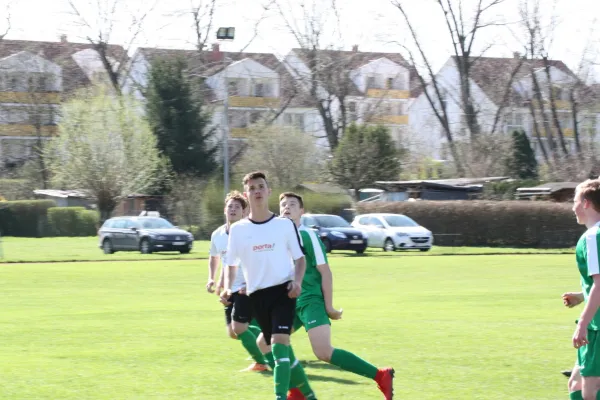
[236, 226]
[592, 232]
[220, 231]
[306, 231]
[283, 221]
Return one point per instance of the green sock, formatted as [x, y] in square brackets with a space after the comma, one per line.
[254, 329]
[270, 360]
[576, 395]
[352, 363]
[281, 373]
[249, 342]
[298, 378]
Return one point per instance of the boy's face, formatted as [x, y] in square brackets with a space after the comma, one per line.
[289, 207]
[257, 191]
[233, 211]
[580, 207]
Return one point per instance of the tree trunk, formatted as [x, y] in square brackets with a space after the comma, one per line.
[536, 129]
[538, 95]
[574, 112]
[559, 130]
[106, 205]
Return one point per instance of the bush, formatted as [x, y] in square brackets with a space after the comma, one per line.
[26, 218]
[15, 189]
[490, 223]
[72, 221]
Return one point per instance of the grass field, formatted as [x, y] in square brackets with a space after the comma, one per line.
[86, 249]
[453, 327]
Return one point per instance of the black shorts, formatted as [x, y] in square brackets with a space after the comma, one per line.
[240, 309]
[274, 310]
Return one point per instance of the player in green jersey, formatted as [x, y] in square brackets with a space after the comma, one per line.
[584, 383]
[314, 307]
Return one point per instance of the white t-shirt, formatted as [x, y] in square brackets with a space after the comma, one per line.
[264, 249]
[218, 247]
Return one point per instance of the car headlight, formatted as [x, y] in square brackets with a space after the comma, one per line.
[338, 234]
[401, 234]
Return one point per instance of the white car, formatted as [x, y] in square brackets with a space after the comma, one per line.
[393, 232]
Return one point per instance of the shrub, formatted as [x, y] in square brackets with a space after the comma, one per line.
[27, 218]
[72, 221]
[490, 223]
[15, 189]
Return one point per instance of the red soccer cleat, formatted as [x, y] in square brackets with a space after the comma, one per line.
[385, 382]
[256, 367]
[295, 394]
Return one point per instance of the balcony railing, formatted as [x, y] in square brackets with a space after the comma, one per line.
[27, 130]
[251, 101]
[389, 93]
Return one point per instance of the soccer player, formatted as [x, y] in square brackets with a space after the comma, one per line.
[262, 245]
[238, 311]
[584, 382]
[314, 307]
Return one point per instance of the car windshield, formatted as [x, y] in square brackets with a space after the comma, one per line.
[331, 221]
[399, 221]
[154, 223]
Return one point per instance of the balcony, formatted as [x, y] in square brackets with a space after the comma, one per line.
[567, 132]
[30, 97]
[27, 130]
[388, 93]
[389, 119]
[251, 101]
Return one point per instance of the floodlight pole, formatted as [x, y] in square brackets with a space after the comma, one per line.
[225, 34]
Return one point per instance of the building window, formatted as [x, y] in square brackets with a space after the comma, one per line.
[371, 82]
[255, 117]
[232, 88]
[294, 119]
[389, 83]
[352, 114]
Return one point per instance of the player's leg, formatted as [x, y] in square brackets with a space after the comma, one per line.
[588, 359]
[284, 312]
[241, 317]
[575, 384]
[228, 311]
[318, 325]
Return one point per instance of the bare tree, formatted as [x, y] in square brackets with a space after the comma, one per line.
[100, 31]
[6, 21]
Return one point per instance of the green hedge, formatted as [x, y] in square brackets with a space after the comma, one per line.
[490, 223]
[72, 221]
[26, 218]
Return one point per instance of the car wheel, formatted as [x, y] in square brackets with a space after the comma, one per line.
[327, 245]
[425, 249]
[185, 251]
[145, 247]
[361, 251]
[107, 247]
[388, 245]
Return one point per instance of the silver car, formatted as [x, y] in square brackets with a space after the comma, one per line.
[393, 232]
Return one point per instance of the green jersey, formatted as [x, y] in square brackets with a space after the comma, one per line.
[314, 252]
[587, 254]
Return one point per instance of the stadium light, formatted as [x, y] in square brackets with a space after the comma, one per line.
[227, 33]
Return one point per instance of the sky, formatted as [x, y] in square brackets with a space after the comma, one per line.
[373, 25]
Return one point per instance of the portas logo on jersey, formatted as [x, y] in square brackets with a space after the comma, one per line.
[264, 247]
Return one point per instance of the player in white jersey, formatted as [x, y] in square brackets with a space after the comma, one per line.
[238, 311]
[263, 244]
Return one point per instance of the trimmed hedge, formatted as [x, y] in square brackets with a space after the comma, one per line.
[490, 223]
[72, 221]
[26, 218]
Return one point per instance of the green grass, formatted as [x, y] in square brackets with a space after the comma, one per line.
[488, 327]
[86, 249]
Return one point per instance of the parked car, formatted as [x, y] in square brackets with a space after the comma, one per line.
[394, 232]
[336, 233]
[144, 234]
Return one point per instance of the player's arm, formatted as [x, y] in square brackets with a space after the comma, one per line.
[213, 264]
[230, 268]
[294, 245]
[326, 276]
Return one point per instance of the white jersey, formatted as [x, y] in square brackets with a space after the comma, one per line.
[264, 249]
[218, 247]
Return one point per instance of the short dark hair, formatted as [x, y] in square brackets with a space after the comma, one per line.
[590, 190]
[294, 195]
[254, 175]
[236, 195]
